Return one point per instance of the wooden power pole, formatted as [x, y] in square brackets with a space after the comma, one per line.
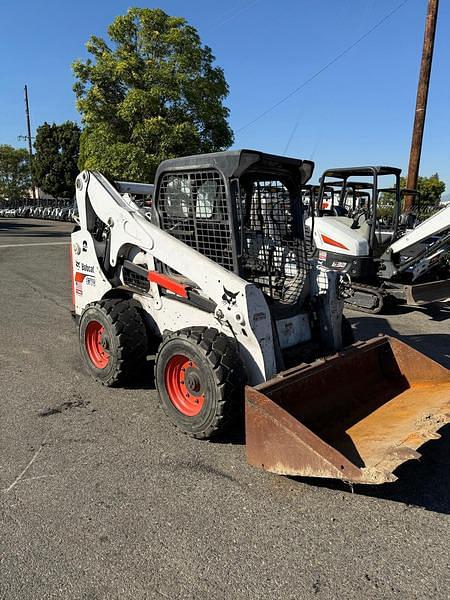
[421, 101]
[30, 146]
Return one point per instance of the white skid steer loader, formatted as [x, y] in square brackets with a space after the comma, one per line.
[216, 281]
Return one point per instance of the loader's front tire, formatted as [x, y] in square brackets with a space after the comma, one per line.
[113, 340]
[200, 379]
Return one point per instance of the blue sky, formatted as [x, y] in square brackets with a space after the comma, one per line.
[359, 111]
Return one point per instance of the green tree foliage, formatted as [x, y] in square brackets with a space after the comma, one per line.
[55, 162]
[430, 189]
[15, 177]
[149, 94]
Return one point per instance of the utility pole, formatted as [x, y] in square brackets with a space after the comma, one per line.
[421, 101]
[30, 147]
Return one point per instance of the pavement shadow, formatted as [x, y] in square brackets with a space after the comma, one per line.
[144, 379]
[436, 311]
[439, 311]
[433, 345]
[45, 234]
[15, 225]
[41, 229]
[421, 483]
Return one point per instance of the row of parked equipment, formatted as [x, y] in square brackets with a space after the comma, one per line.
[55, 213]
[401, 256]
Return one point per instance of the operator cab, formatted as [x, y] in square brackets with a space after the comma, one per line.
[360, 202]
[243, 210]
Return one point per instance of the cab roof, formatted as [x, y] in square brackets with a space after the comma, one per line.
[368, 171]
[234, 163]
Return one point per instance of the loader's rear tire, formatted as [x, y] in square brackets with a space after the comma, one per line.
[113, 340]
[200, 379]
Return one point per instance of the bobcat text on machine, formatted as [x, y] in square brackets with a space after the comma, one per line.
[383, 260]
[215, 281]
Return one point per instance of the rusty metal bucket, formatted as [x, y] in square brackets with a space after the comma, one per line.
[355, 416]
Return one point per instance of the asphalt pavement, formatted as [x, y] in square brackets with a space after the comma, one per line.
[101, 498]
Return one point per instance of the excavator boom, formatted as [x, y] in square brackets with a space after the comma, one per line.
[434, 225]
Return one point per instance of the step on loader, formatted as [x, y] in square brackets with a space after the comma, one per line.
[215, 282]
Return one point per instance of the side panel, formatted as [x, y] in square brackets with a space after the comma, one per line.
[334, 234]
[293, 330]
[89, 282]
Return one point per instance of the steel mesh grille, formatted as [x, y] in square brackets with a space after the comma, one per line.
[135, 280]
[274, 254]
[193, 208]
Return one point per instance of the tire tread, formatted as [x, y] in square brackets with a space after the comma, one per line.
[228, 370]
[129, 330]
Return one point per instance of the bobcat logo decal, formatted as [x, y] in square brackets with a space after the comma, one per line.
[229, 297]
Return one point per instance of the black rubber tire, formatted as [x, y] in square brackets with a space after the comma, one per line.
[222, 376]
[126, 336]
[348, 336]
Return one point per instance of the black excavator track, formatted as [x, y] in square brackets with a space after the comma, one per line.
[366, 298]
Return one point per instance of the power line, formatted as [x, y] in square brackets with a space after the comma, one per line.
[233, 14]
[324, 68]
[301, 113]
[293, 132]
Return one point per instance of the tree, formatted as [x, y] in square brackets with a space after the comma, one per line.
[430, 188]
[55, 162]
[149, 94]
[15, 177]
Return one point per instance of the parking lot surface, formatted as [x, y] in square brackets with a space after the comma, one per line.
[101, 498]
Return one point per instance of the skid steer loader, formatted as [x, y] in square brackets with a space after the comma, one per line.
[216, 282]
[385, 261]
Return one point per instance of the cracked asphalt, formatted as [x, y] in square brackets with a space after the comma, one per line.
[101, 498]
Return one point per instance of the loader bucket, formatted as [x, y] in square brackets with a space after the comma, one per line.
[355, 416]
[424, 293]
